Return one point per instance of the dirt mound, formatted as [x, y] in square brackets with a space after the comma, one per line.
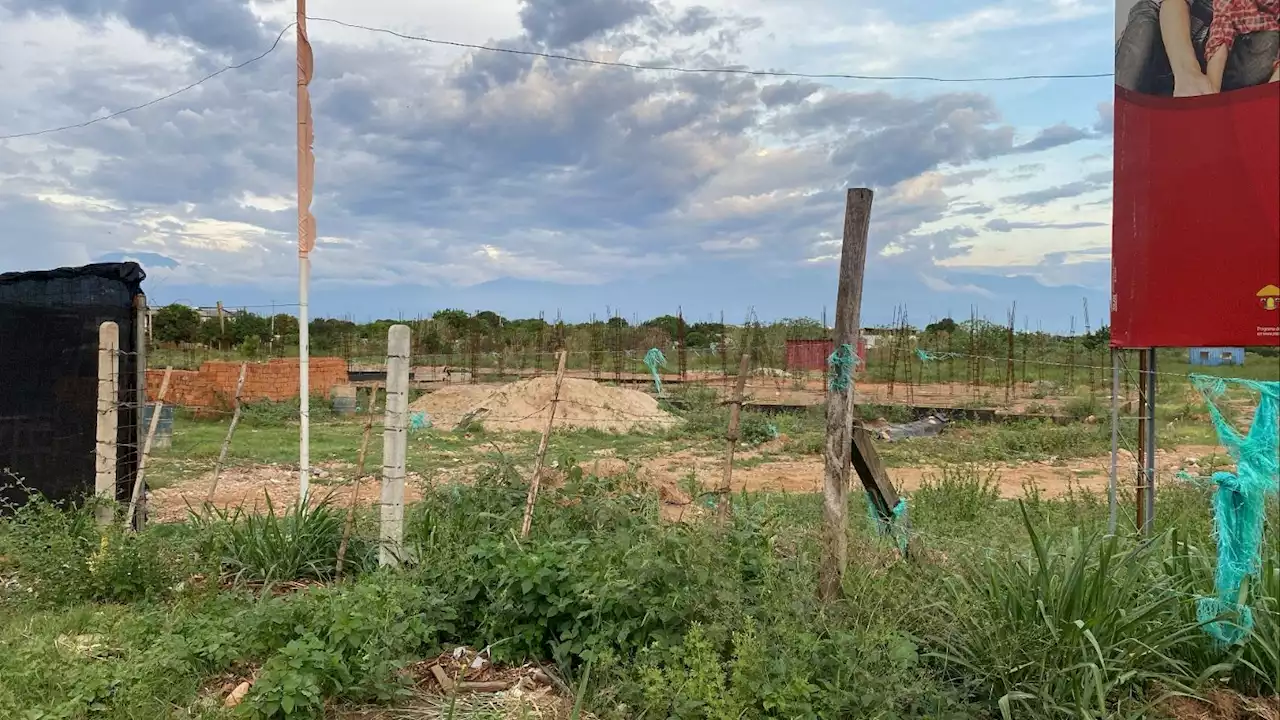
[524, 405]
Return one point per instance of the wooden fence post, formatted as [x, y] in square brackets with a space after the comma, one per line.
[542, 451]
[835, 510]
[355, 492]
[231, 430]
[395, 442]
[735, 418]
[104, 484]
[139, 482]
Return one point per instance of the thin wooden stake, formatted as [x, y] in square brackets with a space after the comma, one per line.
[226, 442]
[835, 506]
[355, 492]
[139, 481]
[542, 451]
[735, 418]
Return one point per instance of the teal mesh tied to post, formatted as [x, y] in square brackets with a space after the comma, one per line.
[841, 364]
[898, 528]
[1239, 502]
[654, 359]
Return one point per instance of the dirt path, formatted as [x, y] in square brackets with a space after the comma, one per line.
[248, 487]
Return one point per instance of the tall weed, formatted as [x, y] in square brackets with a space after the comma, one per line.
[297, 543]
[1088, 631]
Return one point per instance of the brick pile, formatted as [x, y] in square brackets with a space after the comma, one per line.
[213, 386]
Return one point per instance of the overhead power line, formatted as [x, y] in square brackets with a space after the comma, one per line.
[711, 71]
[162, 98]
[563, 58]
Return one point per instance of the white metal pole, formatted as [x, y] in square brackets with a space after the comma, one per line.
[1150, 469]
[1115, 441]
[304, 381]
[306, 241]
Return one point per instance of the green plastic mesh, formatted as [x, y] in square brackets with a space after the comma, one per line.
[899, 528]
[840, 365]
[653, 360]
[926, 356]
[1239, 502]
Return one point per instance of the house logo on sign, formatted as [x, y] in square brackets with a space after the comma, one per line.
[1269, 297]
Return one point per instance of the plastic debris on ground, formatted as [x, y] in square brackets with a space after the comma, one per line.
[929, 426]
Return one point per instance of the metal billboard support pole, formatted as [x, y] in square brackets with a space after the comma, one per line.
[1149, 466]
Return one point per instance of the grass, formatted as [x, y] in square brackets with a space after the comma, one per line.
[1019, 609]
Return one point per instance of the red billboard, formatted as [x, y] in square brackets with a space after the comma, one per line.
[1196, 227]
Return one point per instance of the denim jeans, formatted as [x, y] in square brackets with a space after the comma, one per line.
[1142, 64]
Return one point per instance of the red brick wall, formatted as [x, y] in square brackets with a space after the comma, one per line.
[214, 384]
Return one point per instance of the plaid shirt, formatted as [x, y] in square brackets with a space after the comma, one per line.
[1233, 18]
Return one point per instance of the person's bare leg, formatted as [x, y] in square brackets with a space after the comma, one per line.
[1175, 28]
[1215, 68]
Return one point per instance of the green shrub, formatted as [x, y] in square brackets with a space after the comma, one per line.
[756, 429]
[1082, 407]
[61, 556]
[956, 494]
[273, 413]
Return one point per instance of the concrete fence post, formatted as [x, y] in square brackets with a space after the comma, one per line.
[395, 439]
[104, 484]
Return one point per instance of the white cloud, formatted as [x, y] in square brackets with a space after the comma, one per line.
[727, 245]
[442, 166]
[937, 284]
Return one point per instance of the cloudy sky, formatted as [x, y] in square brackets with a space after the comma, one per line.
[451, 177]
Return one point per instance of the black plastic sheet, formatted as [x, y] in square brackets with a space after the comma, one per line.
[49, 325]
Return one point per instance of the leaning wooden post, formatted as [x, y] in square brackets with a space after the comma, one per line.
[355, 492]
[104, 484]
[735, 418]
[226, 442]
[840, 393]
[395, 440]
[542, 451]
[139, 482]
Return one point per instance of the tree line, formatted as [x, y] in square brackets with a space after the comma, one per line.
[458, 331]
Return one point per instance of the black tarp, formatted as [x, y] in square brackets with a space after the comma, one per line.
[49, 324]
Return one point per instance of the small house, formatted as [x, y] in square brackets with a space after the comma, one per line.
[1216, 356]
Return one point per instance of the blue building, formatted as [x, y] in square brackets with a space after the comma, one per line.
[1216, 356]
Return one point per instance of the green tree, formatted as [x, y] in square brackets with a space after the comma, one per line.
[1099, 338]
[244, 325]
[701, 335]
[455, 320]
[489, 319]
[285, 326]
[176, 323]
[804, 329]
[669, 324]
[945, 325]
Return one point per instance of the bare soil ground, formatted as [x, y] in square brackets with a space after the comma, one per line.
[248, 487]
[757, 470]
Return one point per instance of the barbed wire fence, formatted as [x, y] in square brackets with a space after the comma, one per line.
[915, 375]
